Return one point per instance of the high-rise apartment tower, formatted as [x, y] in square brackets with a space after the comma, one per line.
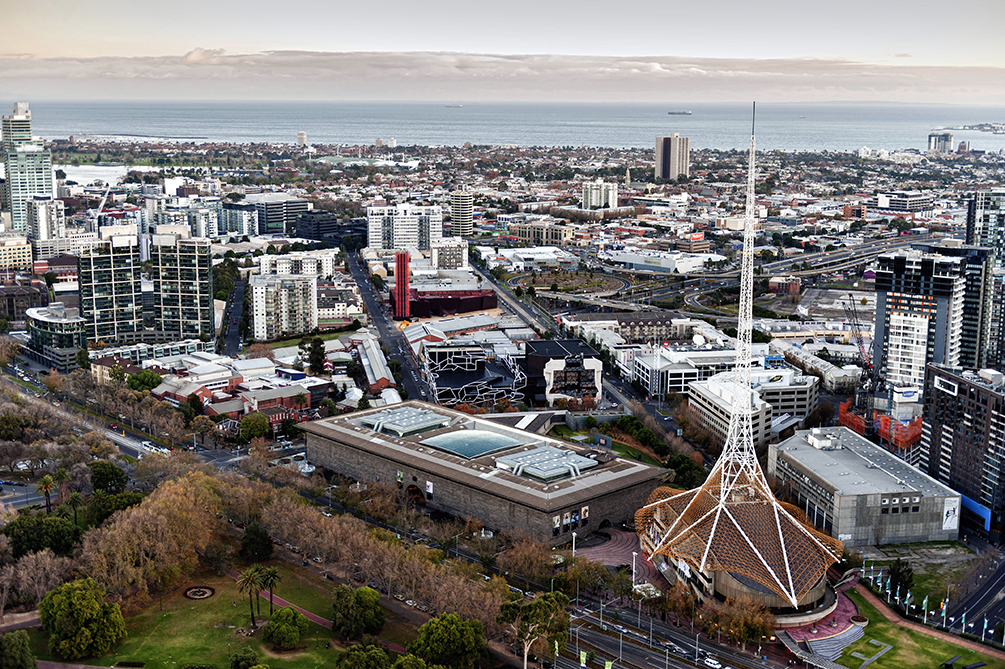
[673, 157]
[28, 164]
[462, 213]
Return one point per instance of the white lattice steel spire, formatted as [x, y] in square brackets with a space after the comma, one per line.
[733, 522]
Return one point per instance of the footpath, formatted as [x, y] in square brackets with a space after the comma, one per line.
[314, 618]
[895, 618]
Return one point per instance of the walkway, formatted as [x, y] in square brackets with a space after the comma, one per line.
[313, 617]
[20, 621]
[893, 617]
[618, 551]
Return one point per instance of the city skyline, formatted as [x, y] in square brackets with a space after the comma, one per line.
[777, 51]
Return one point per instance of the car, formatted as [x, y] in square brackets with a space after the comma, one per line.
[712, 663]
[113, 426]
[621, 628]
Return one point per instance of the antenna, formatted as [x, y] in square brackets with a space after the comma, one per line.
[753, 115]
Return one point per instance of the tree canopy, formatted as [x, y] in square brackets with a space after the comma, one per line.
[254, 425]
[108, 477]
[146, 380]
[356, 611]
[79, 622]
[367, 654]
[542, 618]
[286, 627]
[449, 641]
[30, 534]
[256, 545]
[15, 651]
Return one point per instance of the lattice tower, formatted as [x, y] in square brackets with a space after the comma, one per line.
[733, 522]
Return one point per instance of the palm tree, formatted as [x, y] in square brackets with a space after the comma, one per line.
[271, 576]
[75, 501]
[94, 503]
[300, 399]
[250, 582]
[46, 485]
[61, 477]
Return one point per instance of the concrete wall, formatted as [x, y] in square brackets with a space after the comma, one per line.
[861, 517]
[463, 501]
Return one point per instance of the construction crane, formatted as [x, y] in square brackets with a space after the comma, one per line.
[101, 205]
[869, 381]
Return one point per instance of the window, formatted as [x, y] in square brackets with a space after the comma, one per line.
[906, 509]
[885, 511]
[886, 501]
[896, 509]
[915, 509]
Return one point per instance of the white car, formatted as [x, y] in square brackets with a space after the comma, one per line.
[713, 663]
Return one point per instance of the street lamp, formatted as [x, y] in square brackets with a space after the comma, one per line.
[634, 554]
[573, 545]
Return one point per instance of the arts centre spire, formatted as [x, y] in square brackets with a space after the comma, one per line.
[732, 528]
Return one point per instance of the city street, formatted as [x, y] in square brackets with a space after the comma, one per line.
[232, 320]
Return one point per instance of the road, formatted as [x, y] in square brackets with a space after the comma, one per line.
[232, 320]
[390, 336]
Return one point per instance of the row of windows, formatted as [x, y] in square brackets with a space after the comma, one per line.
[900, 509]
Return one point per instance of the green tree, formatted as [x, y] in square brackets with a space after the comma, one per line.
[286, 628]
[15, 651]
[317, 356]
[145, 381]
[243, 659]
[117, 374]
[368, 609]
[409, 661]
[30, 534]
[449, 641]
[364, 403]
[367, 654]
[271, 576]
[47, 485]
[202, 425]
[346, 622]
[195, 403]
[902, 575]
[254, 425]
[106, 505]
[256, 546]
[108, 477]
[75, 501]
[83, 360]
[79, 621]
[250, 582]
[542, 618]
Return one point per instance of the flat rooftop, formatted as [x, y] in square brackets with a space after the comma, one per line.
[853, 465]
[491, 456]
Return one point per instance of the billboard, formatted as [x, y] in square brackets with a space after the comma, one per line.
[951, 513]
[697, 236]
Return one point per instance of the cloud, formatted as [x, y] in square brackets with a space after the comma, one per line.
[903, 55]
[217, 74]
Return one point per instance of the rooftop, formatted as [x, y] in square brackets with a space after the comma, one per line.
[853, 465]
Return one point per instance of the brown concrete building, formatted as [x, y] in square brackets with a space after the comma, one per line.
[510, 479]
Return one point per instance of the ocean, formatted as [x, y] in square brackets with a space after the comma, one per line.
[789, 127]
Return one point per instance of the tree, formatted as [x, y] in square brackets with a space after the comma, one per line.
[346, 622]
[260, 351]
[75, 501]
[47, 485]
[368, 609]
[117, 374]
[256, 545]
[367, 654]
[286, 627]
[300, 399]
[542, 618]
[243, 659]
[202, 425]
[317, 356]
[409, 661]
[30, 534]
[15, 651]
[254, 425]
[364, 403]
[106, 505]
[79, 622]
[145, 381]
[250, 582]
[901, 576]
[108, 477]
[449, 641]
[271, 576]
[195, 403]
[83, 359]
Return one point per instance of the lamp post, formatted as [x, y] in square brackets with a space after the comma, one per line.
[634, 554]
[573, 545]
[696, 648]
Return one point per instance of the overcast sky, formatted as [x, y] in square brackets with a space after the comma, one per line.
[713, 50]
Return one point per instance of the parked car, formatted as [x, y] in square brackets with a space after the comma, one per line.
[712, 663]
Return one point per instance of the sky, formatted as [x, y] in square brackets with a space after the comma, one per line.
[713, 50]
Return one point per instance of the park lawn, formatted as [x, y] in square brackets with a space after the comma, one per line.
[202, 632]
[296, 341]
[910, 648]
[306, 591]
[627, 451]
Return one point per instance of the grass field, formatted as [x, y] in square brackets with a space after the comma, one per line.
[910, 648]
[181, 631]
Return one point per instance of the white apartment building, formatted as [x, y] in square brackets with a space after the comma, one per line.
[46, 218]
[449, 253]
[27, 163]
[673, 156]
[919, 314]
[670, 369]
[404, 226]
[323, 262]
[283, 305]
[599, 195]
[712, 402]
[462, 213]
[203, 223]
[75, 242]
